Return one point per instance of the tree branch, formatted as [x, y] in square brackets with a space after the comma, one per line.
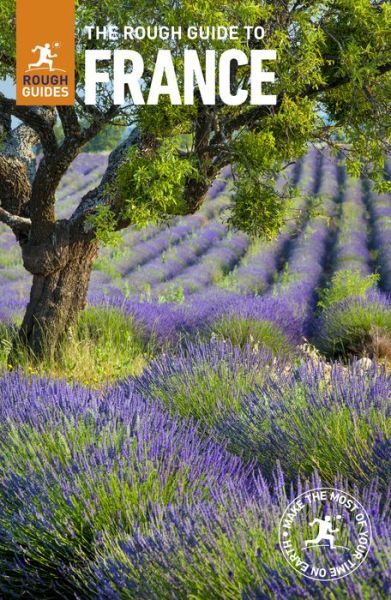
[17, 169]
[339, 81]
[54, 166]
[99, 122]
[99, 196]
[70, 122]
[40, 118]
[19, 144]
[7, 60]
[252, 116]
[16, 223]
[5, 124]
[89, 108]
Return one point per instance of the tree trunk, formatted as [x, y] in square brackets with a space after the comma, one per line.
[61, 275]
[194, 194]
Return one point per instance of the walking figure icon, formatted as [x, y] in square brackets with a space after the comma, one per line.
[45, 57]
[326, 532]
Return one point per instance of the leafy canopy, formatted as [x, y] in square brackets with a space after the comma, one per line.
[333, 86]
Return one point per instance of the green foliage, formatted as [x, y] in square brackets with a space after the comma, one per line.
[152, 184]
[259, 158]
[345, 284]
[333, 86]
[7, 38]
[176, 295]
[10, 258]
[307, 424]
[167, 120]
[104, 264]
[292, 127]
[107, 262]
[205, 391]
[7, 333]
[105, 346]
[258, 334]
[356, 328]
[258, 208]
[107, 140]
[103, 220]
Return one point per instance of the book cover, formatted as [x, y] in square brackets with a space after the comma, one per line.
[195, 309]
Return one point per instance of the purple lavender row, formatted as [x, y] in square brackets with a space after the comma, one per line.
[7, 238]
[153, 244]
[364, 394]
[352, 249]
[381, 210]
[86, 173]
[216, 202]
[256, 272]
[83, 168]
[168, 237]
[305, 265]
[168, 322]
[142, 246]
[155, 260]
[14, 290]
[219, 260]
[87, 164]
[15, 282]
[172, 263]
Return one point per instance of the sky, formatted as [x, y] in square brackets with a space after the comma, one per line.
[7, 87]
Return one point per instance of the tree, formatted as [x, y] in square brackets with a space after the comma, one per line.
[105, 141]
[333, 86]
[108, 139]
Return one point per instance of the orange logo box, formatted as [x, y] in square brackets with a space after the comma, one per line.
[45, 52]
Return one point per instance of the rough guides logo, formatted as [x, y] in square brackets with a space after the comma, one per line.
[45, 52]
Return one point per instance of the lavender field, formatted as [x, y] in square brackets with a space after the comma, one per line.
[213, 378]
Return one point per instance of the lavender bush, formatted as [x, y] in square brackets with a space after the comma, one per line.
[89, 464]
[304, 269]
[263, 259]
[104, 495]
[270, 410]
[381, 207]
[357, 326]
[230, 553]
[352, 248]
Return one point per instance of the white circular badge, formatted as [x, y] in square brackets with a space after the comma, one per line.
[325, 534]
